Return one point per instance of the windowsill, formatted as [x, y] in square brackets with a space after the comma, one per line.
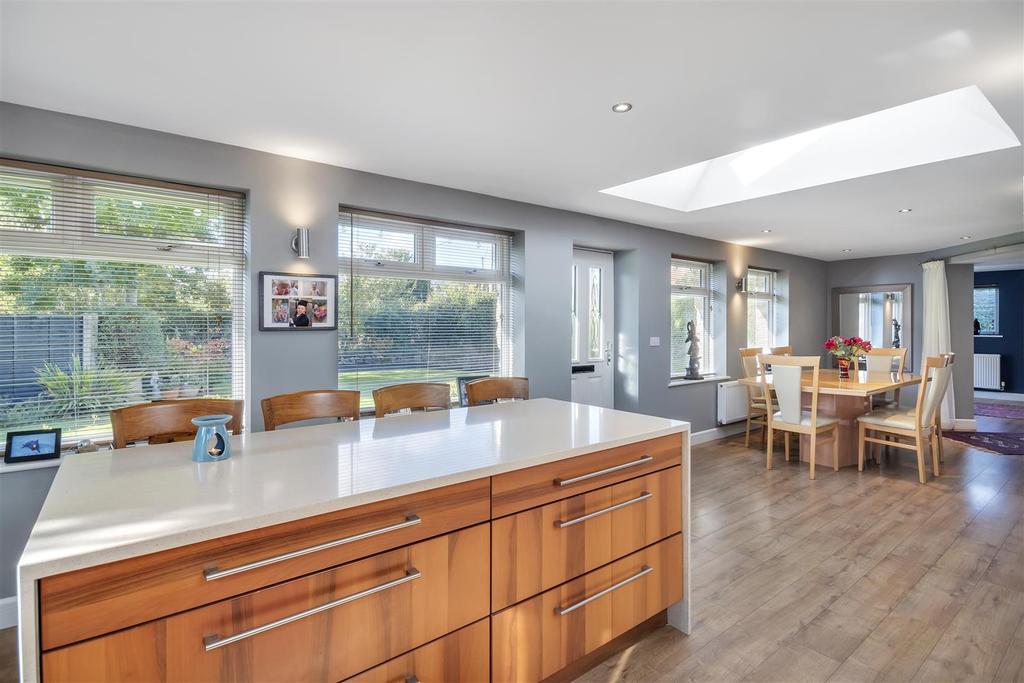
[680, 382]
[988, 336]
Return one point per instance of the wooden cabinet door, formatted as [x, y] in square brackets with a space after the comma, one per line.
[410, 596]
[461, 657]
[539, 637]
[542, 547]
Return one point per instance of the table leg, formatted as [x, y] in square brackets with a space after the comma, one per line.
[846, 408]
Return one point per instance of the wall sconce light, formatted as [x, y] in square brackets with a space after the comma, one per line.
[741, 285]
[300, 242]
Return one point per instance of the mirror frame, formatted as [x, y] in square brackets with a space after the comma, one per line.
[904, 288]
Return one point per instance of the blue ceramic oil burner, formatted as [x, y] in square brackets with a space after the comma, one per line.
[211, 442]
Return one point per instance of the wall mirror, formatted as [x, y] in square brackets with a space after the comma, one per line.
[880, 314]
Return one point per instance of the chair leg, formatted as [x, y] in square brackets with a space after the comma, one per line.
[787, 446]
[768, 457]
[938, 430]
[860, 447]
[746, 443]
[935, 453]
[814, 445]
[922, 474]
[764, 434]
[835, 448]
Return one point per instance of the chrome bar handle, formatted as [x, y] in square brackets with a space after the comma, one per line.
[214, 573]
[562, 611]
[213, 642]
[607, 470]
[412, 678]
[611, 508]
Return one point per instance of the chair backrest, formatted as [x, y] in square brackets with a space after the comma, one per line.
[930, 394]
[413, 396]
[883, 359]
[493, 389]
[166, 421]
[308, 405]
[787, 381]
[781, 351]
[752, 368]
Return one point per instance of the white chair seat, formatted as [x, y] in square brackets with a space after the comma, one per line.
[889, 417]
[805, 420]
[762, 406]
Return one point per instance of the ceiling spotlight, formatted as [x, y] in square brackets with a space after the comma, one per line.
[965, 237]
[846, 250]
[767, 230]
[904, 211]
[621, 107]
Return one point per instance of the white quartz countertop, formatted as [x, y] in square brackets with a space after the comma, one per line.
[111, 505]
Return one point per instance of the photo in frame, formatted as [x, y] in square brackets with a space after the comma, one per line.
[296, 302]
[34, 444]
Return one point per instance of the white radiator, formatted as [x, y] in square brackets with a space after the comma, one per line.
[732, 402]
[986, 371]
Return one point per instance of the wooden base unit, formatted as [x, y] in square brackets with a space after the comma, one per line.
[462, 657]
[542, 547]
[383, 606]
[541, 636]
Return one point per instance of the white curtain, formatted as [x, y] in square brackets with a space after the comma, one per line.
[935, 339]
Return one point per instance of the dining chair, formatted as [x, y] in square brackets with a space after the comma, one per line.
[781, 351]
[791, 418]
[757, 396]
[494, 389]
[886, 360]
[309, 405]
[412, 396]
[911, 429]
[166, 421]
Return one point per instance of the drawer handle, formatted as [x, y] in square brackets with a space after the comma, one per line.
[213, 642]
[607, 470]
[611, 508]
[214, 573]
[412, 678]
[562, 611]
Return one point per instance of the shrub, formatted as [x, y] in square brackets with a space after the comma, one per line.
[82, 390]
[129, 337]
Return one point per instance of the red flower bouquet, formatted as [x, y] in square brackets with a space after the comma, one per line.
[847, 350]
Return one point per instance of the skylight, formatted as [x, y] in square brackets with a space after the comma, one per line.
[955, 124]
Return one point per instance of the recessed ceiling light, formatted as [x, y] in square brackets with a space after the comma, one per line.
[966, 237]
[905, 210]
[621, 107]
[846, 250]
[954, 124]
[767, 230]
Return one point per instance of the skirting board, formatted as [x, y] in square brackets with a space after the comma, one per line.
[717, 432]
[9, 611]
[998, 395]
[962, 425]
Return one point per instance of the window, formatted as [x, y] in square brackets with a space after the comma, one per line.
[115, 291]
[691, 300]
[761, 299]
[420, 302]
[986, 309]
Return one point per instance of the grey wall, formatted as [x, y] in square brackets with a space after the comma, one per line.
[21, 497]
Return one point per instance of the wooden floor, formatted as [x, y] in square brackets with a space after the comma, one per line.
[851, 577]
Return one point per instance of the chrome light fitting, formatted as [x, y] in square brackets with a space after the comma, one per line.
[300, 243]
[621, 107]
[904, 210]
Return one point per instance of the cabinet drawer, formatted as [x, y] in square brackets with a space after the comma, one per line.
[98, 600]
[542, 547]
[515, 491]
[462, 657]
[326, 626]
[543, 635]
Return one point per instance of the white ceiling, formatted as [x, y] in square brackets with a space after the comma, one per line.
[1000, 258]
[514, 99]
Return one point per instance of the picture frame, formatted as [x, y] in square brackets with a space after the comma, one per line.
[32, 444]
[289, 299]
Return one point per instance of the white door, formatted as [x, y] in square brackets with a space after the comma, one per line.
[593, 326]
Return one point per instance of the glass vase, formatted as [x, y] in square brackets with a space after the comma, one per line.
[844, 368]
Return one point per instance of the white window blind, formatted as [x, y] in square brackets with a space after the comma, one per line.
[115, 291]
[420, 302]
[761, 301]
[691, 300]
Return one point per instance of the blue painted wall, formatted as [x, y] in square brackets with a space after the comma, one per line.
[1011, 325]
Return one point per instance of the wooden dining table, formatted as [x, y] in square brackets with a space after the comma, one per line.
[845, 399]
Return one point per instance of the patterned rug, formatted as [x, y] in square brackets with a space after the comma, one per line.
[993, 442]
[1007, 410]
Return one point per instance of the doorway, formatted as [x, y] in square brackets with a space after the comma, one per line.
[593, 328]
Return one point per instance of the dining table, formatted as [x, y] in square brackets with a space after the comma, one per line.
[845, 399]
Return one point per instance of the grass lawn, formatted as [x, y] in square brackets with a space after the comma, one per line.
[368, 380]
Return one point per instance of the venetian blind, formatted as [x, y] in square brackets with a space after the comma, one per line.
[115, 291]
[420, 302]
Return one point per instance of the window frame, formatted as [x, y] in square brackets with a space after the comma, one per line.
[771, 296]
[707, 291]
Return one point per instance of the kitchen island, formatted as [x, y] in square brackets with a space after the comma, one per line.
[509, 541]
